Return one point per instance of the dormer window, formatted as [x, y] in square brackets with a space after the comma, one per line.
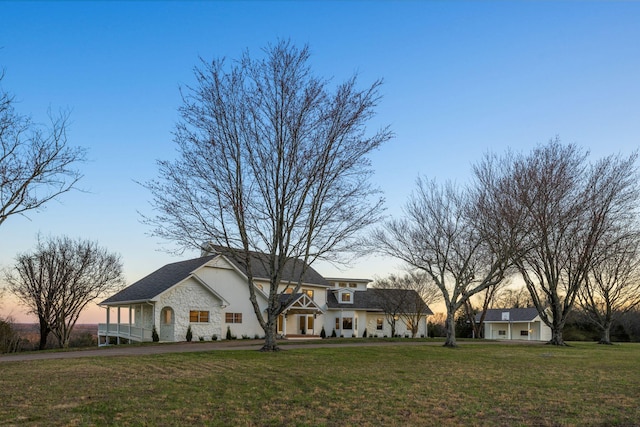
[346, 297]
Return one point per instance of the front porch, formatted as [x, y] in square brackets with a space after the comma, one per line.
[298, 319]
[137, 327]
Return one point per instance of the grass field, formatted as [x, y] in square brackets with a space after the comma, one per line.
[480, 384]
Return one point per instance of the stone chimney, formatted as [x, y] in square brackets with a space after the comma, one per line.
[207, 248]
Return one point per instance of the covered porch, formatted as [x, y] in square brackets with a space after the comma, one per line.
[529, 331]
[127, 323]
[299, 319]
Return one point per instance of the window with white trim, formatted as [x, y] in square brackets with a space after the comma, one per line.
[197, 316]
[233, 317]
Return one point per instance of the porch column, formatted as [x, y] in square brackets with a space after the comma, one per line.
[118, 326]
[106, 342]
[528, 331]
[284, 324]
[509, 330]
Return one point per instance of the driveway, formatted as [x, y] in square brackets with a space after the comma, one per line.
[185, 347]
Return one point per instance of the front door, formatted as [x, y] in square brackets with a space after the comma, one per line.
[306, 324]
[167, 320]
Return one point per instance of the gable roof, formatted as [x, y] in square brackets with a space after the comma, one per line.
[300, 300]
[164, 278]
[515, 314]
[157, 282]
[259, 264]
[374, 299]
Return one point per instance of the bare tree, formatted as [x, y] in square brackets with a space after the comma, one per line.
[271, 161]
[564, 206]
[441, 235]
[36, 164]
[512, 298]
[613, 284]
[485, 298]
[406, 298]
[59, 278]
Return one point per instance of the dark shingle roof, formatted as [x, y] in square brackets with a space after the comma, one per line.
[160, 280]
[515, 314]
[260, 267]
[157, 282]
[377, 299]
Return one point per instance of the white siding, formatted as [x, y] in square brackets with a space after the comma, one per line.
[233, 288]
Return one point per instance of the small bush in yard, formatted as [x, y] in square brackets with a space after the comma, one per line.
[230, 336]
[189, 334]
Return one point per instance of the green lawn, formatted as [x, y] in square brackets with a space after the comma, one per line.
[479, 384]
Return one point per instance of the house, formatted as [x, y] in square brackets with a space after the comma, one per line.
[210, 295]
[357, 308]
[515, 324]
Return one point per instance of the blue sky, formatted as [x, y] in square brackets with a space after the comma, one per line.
[461, 79]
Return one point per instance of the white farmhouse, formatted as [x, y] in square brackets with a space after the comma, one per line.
[210, 294]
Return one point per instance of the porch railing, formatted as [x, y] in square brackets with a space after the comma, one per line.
[124, 330]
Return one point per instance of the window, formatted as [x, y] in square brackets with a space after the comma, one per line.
[347, 323]
[167, 316]
[524, 333]
[233, 317]
[196, 316]
[353, 285]
[502, 332]
[337, 323]
[346, 297]
[309, 292]
[379, 323]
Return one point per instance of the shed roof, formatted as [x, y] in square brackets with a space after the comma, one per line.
[515, 314]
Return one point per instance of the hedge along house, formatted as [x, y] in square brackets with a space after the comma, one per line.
[515, 324]
[210, 295]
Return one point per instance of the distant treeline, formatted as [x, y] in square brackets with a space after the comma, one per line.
[16, 337]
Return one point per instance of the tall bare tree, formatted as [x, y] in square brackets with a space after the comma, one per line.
[59, 278]
[441, 235]
[484, 298]
[509, 297]
[274, 160]
[36, 164]
[613, 284]
[407, 298]
[564, 206]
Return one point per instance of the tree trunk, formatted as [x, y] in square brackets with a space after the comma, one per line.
[606, 335]
[556, 336]
[270, 342]
[451, 330]
[44, 333]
